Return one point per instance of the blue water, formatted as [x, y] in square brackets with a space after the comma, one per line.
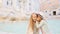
[21, 27]
[54, 26]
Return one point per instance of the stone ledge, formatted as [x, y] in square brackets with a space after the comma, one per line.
[13, 18]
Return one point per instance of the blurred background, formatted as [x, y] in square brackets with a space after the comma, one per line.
[15, 14]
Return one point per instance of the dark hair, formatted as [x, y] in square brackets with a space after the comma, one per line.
[40, 16]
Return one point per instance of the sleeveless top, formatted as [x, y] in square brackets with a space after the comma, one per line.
[43, 25]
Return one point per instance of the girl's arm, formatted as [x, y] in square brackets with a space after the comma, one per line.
[44, 28]
[39, 25]
[29, 30]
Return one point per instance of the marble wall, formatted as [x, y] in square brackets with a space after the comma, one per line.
[24, 8]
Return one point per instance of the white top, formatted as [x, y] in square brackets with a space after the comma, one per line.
[43, 25]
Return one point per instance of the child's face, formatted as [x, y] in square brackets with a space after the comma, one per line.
[39, 19]
[34, 17]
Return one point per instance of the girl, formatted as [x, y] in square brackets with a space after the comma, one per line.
[36, 23]
[42, 25]
[32, 23]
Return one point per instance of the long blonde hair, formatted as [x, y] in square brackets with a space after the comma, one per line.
[32, 21]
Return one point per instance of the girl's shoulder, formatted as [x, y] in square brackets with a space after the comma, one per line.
[44, 21]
